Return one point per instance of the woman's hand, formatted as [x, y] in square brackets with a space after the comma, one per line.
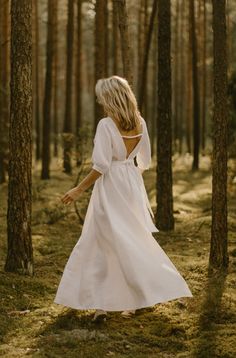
[74, 193]
[71, 195]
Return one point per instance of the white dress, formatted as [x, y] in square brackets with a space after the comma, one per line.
[117, 264]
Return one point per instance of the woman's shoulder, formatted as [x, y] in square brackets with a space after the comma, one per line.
[104, 125]
[103, 121]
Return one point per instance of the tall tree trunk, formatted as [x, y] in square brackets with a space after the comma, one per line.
[144, 67]
[68, 138]
[99, 54]
[141, 46]
[189, 84]
[176, 77]
[182, 78]
[20, 252]
[154, 90]
[164, 214]
[37, 84]
[45, 174]
[204, 77]
[218, 251]
[4, 90]
[125, 43]
[196, 104]
[55, 79]
[79, 81]
[115, 37]
[106, 39]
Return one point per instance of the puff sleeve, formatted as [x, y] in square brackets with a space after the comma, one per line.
[102, 150]
[144, 155]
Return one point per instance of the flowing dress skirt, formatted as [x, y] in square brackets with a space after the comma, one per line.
[117, 264]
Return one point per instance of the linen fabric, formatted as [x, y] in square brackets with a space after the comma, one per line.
[117, 264]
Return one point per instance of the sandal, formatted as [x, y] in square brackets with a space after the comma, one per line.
[99, 316]
[128, 313]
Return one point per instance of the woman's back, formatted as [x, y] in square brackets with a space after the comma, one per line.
[131, 138]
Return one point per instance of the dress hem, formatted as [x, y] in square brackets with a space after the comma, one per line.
[124, 308]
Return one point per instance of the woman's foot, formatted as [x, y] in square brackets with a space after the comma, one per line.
[99, 316]
[128, 313]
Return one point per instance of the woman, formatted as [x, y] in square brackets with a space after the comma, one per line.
[117, 265]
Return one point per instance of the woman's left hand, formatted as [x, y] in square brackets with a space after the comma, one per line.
[70, 196]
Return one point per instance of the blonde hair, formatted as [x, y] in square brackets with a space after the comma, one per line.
[118, 100]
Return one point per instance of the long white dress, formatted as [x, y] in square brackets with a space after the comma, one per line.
[117, 264]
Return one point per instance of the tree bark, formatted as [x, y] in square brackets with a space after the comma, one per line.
[164, 214]
[99, 54]
[55, 79]
[115, 37]
[45, 174]
[4, 90]
[125, 43]
[68, 105]
[218, 250]
[79, 81]
[20, 252]
[37, 84]
[176, 78]
[196, 103]
[143, 74]
[204, 77]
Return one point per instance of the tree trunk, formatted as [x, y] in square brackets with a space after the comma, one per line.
[176, 78]
[182, 78]
[204, 77]
[20, 252]
[196, 104]
[4, 90]
[143, 82]
[68, 105]
[189, 109]
[218, 251]
[48, 96]
[115, 37]
[125, 43]
[55, 79]
[106, 39]
[164, 214]
[79, 81]
[37, 84]
[99, 54]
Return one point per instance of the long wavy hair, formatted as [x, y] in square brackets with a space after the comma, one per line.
[118, 100]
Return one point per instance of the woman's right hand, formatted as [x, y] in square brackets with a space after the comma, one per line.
[71, 196]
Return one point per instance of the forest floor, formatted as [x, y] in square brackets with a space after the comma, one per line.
[203, 326]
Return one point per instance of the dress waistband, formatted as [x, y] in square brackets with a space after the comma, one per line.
[120, 162]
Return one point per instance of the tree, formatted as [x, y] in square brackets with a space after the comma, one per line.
[79, 80]
[38, 153]
[20, 252]
[176, 107]
[48, 96]
[125, 43]
[204, 76]
[55, 79]
[99, 53]
[218, 250]
[164, 214]
[196, 103]
[68, 105]
[4, 89]
[143, 74]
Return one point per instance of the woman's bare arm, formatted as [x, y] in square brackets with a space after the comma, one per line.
[74, 193]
